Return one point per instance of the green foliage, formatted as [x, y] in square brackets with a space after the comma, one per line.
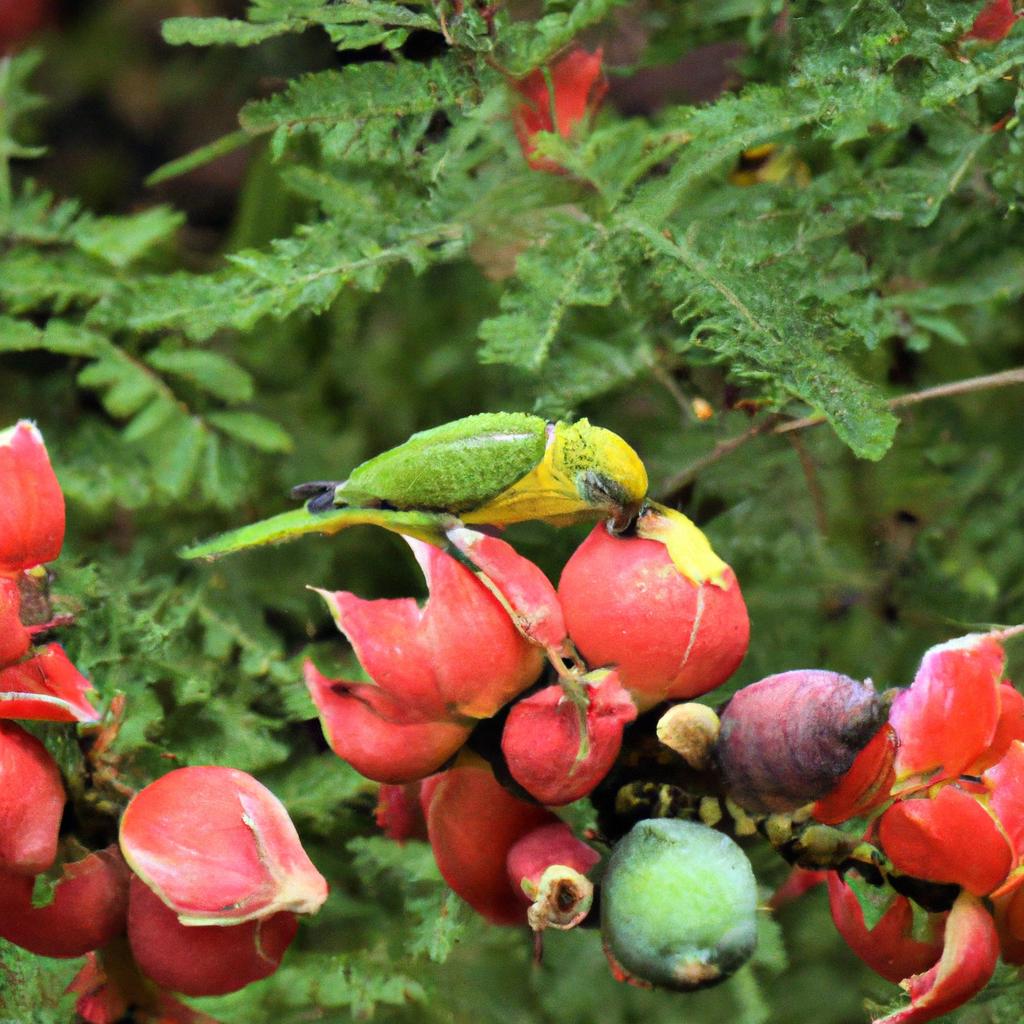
[394, 263]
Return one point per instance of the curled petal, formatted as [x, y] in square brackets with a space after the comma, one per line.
[357, 725]
[47, 688]
[1009, 727]
[14, 637]
[866, 785]
[521, 587]
[947, 718]
[460, 654]
[473, 823]
[203, 960]
[544, 748]
[947, 838]
[218, 848]
[968, 960]
[399, 813]
[1005, 781]
[889, 948]
[99, 1001]
[32, 510]
[31, 802]
[88, 910]
[1009, 914]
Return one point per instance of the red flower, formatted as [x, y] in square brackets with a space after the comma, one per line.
[993, 22]
[218, 847]
[46, 688]
[32, 509]
[574, 92]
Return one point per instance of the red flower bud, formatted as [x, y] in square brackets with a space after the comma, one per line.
[791, 737]
[473, 823]
[429, 659]
[400, 814]
[32, 510]
[203, 960]
[666, 612]
[993, 22]
[31, 802]
[889, 948]
[46, 688]
[14, 637]
[543, 745]
[355, 722]
[968, 961]
[547, 868]
[575, 92]
[949, 837]
[218, 847]
[88, 910]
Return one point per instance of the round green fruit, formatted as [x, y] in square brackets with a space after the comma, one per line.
[678, 906]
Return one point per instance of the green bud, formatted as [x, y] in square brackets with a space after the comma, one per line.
[678, 906]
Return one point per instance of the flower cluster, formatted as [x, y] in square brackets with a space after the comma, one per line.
[200, 893]
[634, 622]
[942, 788]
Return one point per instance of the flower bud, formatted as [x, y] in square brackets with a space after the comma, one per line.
[788, 739]
[32, 510]
[218, 847]
[548, 868]
[203, 960]
[31, 802]
[473, 823]
[691, 730]
[890, 947]
[678, 906]
[547, 752]
[661, 607]
[88, 909]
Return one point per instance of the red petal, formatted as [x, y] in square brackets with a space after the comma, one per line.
[948, 716]
[866, 785]
[399, 813]
[948, 838]
[967, 963]
[521, 586]
[542, 744]
[473, 822]
[1009, 913]
[889, 948]
[88, 909]
[1006, 783]
[47, 688]
[993, 22]
[798, 882]
[381, 749]
[578, 87]
[218, 847]
[1009, 727]
[99, 1002]
[14, 637]
[31, 802]
[204, 960]
[32, 509]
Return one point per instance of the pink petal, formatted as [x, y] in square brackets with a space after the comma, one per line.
[218, 847]
[32, 507]
[47, 688]
[948, 716]
[31, 802]
[1006, 784]
[521, 586]
[377, 746]
[968, 961]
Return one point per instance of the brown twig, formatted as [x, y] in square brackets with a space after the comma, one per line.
[772, 425]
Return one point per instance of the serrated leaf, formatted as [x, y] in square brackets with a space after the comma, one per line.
[121, 240]
[209, 371]
[253, 430]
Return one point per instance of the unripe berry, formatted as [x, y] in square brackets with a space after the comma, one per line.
[789, 739]
[666, 612]
[678, 905]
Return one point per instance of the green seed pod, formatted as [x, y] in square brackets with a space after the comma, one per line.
[678, 906]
